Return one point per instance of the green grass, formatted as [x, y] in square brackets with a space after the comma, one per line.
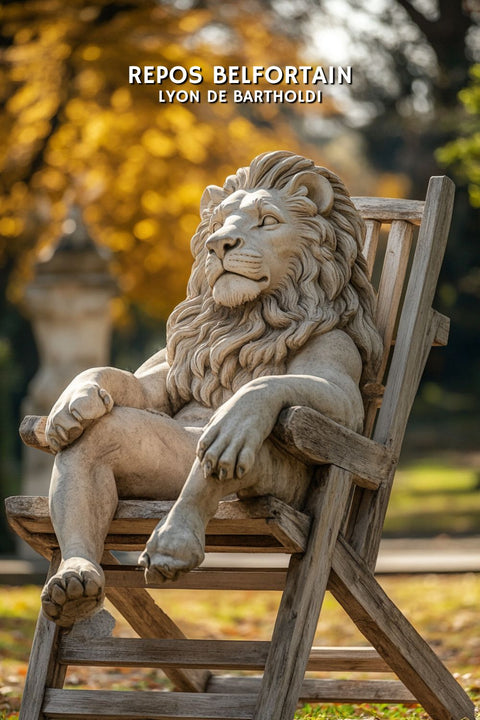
[431, 498]
[443, 608]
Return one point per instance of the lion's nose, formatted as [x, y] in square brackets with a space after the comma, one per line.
[221, 244]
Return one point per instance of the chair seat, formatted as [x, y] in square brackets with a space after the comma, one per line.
[263, 524]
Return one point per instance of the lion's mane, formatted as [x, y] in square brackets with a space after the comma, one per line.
[213, 350]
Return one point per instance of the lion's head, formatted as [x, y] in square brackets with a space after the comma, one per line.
[277, 257]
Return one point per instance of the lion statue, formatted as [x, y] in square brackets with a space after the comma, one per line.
[279, 312]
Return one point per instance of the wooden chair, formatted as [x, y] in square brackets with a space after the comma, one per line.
[333, 543]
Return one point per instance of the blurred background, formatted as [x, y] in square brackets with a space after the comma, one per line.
[101, 185]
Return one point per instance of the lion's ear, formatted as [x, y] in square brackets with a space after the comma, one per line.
[318, 188]
[211, 195]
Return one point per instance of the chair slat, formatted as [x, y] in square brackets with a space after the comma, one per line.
[391, 283]
[213, 654]
[141, 705]
[371, 243]
[387, 209]
[325, 690]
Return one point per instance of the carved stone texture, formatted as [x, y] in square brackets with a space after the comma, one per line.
[278, 313]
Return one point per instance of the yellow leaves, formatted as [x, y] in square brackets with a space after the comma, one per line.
[188, 224]
[91, 53]
[136, 166]
[194, 20]
[11, 226]
[90, 82]
[121, 99]
[152, 201]
[178, 117]
[146, 229]
[158, 144]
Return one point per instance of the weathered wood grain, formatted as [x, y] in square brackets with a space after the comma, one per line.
[302, 599]
[218, 578]
[254, 525]
[212, 654]
[417, 329]
[372, 235]
[118, 704]
[311, 436]
[391, 284]
[387, 209]
[43, 668]
[324, 690]
[32, 432]
[381, 622]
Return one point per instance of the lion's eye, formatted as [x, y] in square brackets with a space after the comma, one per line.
[216, 226]
[268, 220]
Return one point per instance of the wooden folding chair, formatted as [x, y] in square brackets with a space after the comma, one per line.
[333, 543]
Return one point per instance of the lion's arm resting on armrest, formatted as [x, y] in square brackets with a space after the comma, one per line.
[324, 376]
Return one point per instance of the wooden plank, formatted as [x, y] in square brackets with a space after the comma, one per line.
[117, 704]
[391, 284]
[372, 235]
[381, 622]
[149, 621]
[178, 653]
[213, 654]
[417, 330]
[43, 668]
[313, 437]
[32, 432]
[218, 654]
[388, 209]
[324, 690]
[302, 599]
[443, 329]
[232, 515]
[221, 578]
[418, 300]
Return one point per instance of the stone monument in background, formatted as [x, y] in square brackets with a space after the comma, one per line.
[68, 305]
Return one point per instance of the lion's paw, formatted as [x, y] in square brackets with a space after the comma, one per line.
[171, 551]
[74, 593]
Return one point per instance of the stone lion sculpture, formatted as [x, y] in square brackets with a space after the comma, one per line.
[278, 312]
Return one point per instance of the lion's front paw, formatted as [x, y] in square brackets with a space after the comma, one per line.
[75, 410]
[173, 548]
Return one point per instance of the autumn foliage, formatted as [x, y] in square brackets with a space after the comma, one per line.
[75, 130]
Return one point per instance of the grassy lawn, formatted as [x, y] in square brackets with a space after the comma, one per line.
[431, 498]
[443, 608]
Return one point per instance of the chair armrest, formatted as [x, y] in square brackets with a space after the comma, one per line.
[305, 433]
[316, 439]
[32, 432]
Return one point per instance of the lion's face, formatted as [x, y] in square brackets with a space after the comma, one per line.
[250, 242]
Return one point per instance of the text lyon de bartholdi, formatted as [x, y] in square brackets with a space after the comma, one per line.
[226, 77]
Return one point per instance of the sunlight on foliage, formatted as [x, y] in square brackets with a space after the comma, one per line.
[463, 154]
[75, 130]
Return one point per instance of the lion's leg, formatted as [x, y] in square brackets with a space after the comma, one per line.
[128, 453]
[177, 544]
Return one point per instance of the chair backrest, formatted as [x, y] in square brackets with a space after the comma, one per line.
[408, 324]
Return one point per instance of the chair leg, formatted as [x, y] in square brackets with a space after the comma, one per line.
[43, 668]
[381, 622]
[302, 600]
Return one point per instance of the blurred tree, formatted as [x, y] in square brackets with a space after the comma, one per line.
[74, 126]
[411, 59]
[463, 153]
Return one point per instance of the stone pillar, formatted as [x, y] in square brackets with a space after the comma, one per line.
[68, 304]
